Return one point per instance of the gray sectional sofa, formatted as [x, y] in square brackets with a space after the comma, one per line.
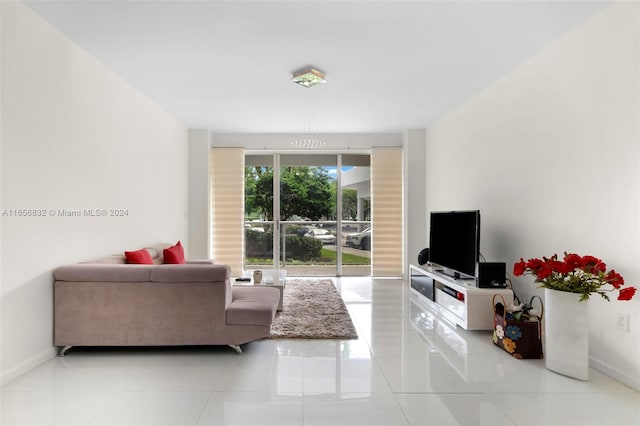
[107, 302]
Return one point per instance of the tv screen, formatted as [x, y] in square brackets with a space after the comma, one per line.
[454, 242]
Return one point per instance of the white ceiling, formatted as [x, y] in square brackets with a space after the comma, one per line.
[390, 65]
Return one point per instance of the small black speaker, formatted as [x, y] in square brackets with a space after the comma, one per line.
[492, 274]
[423, 256]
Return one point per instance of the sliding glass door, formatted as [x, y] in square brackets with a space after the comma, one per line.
[308, 214]
[355, 214]
[259, 222]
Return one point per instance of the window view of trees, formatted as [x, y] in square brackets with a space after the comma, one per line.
[305, 193]
[350, 205]
[258, 192]
[308, 202]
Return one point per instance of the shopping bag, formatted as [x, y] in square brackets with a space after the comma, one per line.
[522, 336]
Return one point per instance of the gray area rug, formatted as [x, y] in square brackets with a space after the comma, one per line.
[312, 309]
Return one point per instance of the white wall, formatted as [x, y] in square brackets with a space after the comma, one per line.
[74, 136]
[416, 233]
[550, 154]
[199, 194]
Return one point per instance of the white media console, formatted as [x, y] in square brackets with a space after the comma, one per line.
[458, 301]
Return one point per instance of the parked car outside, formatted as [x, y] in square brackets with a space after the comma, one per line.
[302, 230]
[361, 240]
[323, 235]
[254, 229]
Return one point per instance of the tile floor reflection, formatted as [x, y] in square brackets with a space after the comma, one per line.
[407, 368]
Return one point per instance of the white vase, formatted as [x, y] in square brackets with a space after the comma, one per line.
[566, 327]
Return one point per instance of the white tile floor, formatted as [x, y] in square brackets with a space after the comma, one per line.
[393, 375]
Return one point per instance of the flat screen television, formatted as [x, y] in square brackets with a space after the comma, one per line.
[454, 242]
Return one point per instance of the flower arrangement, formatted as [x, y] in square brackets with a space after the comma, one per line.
[576, 274]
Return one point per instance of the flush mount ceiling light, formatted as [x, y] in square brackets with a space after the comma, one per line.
[308, 77]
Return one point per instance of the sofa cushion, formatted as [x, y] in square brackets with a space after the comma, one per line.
[156, 252]
[174, 254]
[190, 273]
[252, 305]
[141, 257]
[87, 272]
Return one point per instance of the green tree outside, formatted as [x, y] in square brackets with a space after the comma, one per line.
[306, 192]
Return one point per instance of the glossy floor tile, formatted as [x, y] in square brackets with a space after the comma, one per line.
[408, 367]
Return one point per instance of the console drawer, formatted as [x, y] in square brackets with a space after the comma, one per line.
[449, 302]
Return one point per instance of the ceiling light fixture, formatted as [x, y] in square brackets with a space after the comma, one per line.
[307, 139]
[308, 77]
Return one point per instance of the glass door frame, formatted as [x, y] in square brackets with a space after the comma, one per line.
[278, 223]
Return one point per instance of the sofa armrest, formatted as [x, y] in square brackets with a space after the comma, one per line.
[201, 262]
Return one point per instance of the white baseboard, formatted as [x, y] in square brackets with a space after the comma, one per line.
[614, 373]
[27, 365]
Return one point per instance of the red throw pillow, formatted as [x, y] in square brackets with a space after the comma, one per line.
[174, 254]
[139, 257]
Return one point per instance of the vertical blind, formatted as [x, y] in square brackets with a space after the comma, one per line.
[386, 212]
[227, 207]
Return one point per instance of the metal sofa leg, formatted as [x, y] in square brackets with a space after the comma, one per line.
[64, 350]
[237, 348]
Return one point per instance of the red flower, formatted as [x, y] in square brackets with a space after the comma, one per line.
[534, 264]
[614, 278]
[544, 272]
[593, 265]
[589, 260]
[519, 268]
[559, 267]
[572, 261]
[627, 293]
